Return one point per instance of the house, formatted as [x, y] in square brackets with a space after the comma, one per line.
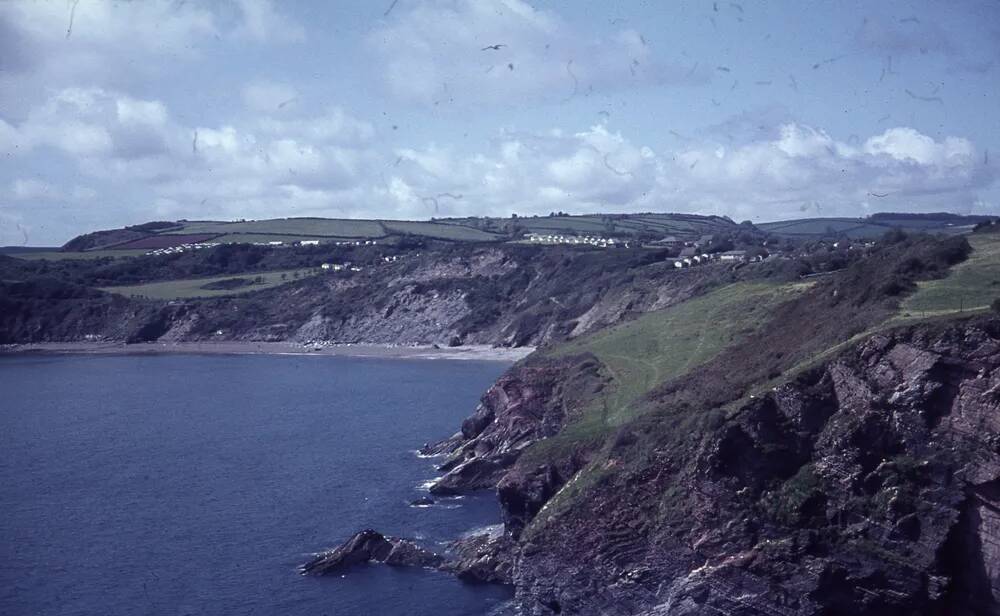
[309, 243]
[733, 256]
[704, 240]
[688, 252]
[670, 240]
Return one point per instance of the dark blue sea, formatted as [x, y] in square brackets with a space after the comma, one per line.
[195, 484]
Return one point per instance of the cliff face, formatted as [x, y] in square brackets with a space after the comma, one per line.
[507, 296]
[868, 485]
[530, 402]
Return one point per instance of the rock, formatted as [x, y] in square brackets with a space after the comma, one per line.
[371, 546]
[423, 501]
[486, 558]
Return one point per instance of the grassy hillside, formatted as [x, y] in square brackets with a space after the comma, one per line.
[486, 229]
[871, 227]
[195, 287]
[640, 354]
[972, 285]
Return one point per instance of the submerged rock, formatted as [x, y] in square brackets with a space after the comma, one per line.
[423, 501]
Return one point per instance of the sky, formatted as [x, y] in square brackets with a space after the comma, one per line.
[117, 113]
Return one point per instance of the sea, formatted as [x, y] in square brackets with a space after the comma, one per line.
[197, 484]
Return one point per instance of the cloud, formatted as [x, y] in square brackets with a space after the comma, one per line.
[141, 161]
[437, 51]
[799, 170]
[24, 189]
[117, 45]
[261, 22]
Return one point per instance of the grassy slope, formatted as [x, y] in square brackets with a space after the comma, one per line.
[55, 255]
[627, 352]
[971, 286]
[658, 346]
[192, 287]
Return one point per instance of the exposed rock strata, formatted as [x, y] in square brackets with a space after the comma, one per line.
[869, 485]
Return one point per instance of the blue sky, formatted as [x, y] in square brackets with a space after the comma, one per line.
[250, 109]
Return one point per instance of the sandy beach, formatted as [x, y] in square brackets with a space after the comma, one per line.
[472, 352]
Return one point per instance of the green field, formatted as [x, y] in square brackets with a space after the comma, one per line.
[56, 255]
[862, 228]
[440, 231]
[682, 225]
[192, 287]
[328, 227]
[658, 346]
[972, 285]
[250, 238]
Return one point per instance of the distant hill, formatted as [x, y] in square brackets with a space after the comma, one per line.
[164, 234]
[872, 226]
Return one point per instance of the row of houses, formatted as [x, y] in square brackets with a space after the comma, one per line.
[340, 267]
[692, 258]
[600, 242]
[172, 250]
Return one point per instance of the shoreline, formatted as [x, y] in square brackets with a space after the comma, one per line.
[378, 351]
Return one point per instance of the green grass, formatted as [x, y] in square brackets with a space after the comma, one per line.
[56, 255]
[249, 238]
[192, 287]
[972, 285]
[330, 227]
[640, 354]
[658, 346]
[439, 230]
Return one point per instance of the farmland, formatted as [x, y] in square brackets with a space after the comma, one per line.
[195, 287]
[871, 227]
[971, 285]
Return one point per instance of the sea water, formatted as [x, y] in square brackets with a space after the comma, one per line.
[196, 484]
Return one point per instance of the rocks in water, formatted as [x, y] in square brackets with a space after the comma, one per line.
[371, 546]
[480, 558]
[423, 501]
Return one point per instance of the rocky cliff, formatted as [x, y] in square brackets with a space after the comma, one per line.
[499, 295]
[867, 484]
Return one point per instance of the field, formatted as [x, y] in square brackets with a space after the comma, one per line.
[971, 285]
[658, 346]
[682, 225]
[57, 255]
[867, 228]
[327, 227]
[441, 231]
[154, 242]
[192, 287]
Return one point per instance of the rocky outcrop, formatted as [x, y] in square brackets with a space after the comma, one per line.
[371, 546]
[486, 558]
[532, 401]
[867, 485]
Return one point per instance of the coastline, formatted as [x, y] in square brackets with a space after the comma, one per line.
[384, 351]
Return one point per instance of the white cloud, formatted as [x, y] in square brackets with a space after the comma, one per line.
[261, 22]
[436, 51]
[25, 189]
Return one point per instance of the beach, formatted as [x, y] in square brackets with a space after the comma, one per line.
[470, 352]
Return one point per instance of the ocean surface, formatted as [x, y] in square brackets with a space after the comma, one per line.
[196, 484]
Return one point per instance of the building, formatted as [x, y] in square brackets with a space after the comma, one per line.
[733, 256]
[309, 243]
